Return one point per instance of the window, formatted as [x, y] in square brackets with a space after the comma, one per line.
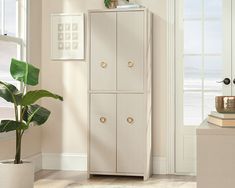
[12, 44]
[201, 57]
[9, 22]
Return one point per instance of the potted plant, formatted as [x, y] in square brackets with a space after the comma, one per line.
[18, 173]
[111, 3]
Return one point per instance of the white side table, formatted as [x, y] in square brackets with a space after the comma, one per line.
[215, 156]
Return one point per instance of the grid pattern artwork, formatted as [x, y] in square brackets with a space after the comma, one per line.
[67, 36]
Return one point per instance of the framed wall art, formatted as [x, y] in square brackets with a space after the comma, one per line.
[67, 37]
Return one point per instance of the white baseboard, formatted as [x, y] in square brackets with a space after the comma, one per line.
[78, 162]
[53, 161]
[37, 160]
[159, 165]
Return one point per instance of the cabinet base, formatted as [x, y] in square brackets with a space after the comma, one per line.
[115, 174]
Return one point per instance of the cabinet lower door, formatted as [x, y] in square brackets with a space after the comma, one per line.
[131, 133]
[103, 133]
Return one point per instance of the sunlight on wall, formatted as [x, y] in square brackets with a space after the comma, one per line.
[66, 129]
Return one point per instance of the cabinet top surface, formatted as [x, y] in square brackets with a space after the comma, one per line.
[209, 129]
[117, 10]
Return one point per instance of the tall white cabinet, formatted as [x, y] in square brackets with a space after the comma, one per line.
[120, 92]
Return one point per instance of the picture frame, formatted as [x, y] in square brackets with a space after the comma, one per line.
[67, 37]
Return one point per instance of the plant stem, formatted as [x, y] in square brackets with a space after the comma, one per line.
[19, 134]
[18, 147]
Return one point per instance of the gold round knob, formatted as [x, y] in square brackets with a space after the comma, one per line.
[131, 64]
[130, 120]
[103, 119]
[103, 65]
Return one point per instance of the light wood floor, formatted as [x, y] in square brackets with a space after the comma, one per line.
[72, 179]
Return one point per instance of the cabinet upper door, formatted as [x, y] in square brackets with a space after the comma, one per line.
[131, 133]
[130, 50]
[103, 51]
[103, 133]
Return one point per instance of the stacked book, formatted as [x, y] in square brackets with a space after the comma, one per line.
[129, 5]
[222, 120]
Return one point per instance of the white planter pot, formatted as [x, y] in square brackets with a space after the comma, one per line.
[16, 175]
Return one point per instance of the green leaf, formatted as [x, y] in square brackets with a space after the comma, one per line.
[24, 72]
[9, 92]
[9, 125]
[36, 114]
[32, 96]
[107, 3]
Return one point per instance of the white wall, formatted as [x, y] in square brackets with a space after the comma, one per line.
[65, 132]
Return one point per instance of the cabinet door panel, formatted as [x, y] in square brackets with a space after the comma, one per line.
[103, 133]
[103, 51]
[130, 50]
[131, 133]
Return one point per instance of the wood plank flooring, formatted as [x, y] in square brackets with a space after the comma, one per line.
[73, 179]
